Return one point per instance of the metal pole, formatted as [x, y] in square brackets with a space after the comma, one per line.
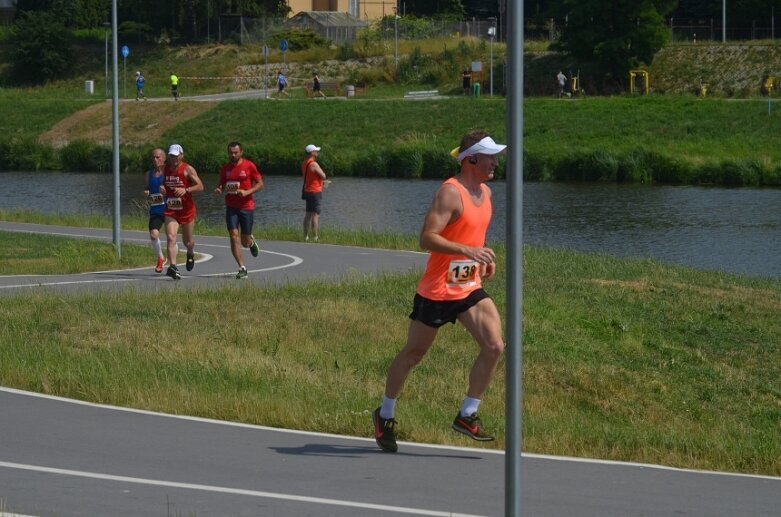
[115, 125]
[514, 278]
[491, 88]
[723, 21]
[124, 76]
[106, 76]
[396, 33]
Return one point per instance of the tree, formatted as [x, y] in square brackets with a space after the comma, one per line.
[615, 35]
[40, 48]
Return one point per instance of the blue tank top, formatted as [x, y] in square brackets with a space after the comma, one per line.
[156, 200]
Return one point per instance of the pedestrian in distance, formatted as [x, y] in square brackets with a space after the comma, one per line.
[312, 191]
[316, 91]
[281, 84]
[140, 86]
[561, 80]
[240, 179]
[450, 289]
[156, 200]
[181, 181]
[175, 86]
[466, 81]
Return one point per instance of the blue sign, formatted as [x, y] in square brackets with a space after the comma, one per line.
[283, 45]
[125, 51]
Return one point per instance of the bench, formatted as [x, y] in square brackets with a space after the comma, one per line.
[324, 85]
[425, 94]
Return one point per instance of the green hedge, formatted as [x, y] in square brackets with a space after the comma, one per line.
[415, 160]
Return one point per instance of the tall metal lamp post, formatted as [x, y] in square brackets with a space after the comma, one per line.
[106, 26]
[492, 35]
[723, 21]
[396, 33]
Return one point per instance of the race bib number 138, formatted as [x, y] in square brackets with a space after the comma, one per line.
[462, 273]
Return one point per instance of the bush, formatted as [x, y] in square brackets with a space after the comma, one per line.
[26, 154]
[373, 164]
[40, 48]
[438, 164]
[587, 166]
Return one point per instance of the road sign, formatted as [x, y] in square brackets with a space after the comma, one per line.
[283, 45]
[125, 51]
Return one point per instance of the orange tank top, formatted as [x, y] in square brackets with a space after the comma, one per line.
[312, 181]
[454, 277]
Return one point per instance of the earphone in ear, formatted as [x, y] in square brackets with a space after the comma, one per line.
[472, 160]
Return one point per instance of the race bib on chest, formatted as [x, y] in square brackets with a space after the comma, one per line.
[462, 273]
[156, 199]
[231, 187]
[174, 203]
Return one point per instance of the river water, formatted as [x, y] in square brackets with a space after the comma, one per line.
[734, 230]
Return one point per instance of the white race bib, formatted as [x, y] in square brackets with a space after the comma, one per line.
[156, 199]
[174, 203]
[231, 187]
[462, 273]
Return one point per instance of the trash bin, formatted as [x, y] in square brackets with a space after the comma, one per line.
[89, 87]
[350, 90]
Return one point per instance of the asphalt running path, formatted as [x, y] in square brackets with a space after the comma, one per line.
[278, 263]
[69, 458]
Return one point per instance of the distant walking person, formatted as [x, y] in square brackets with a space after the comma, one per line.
[281, 84]
[561, 79]
[451, 288]
[239, 180]
[181, 181]
[140, 86]
[466, 81]
[153, 192]
[175, 86]
[312, 191]
[316, 92]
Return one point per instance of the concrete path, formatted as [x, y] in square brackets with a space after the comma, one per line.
[278, 263]
[68, 458]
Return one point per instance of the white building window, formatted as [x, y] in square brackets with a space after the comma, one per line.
[353, 8]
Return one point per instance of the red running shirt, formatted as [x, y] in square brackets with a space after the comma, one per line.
[240, 176]
[454, 277]
[180, 208]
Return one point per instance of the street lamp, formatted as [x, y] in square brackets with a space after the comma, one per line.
[723, 21]
[396, 33]
[106, 26]
[492, 35]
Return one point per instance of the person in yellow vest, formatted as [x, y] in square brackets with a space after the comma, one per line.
[175, 87]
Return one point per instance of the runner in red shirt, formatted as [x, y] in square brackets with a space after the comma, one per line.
[239, 180]
[180, 182]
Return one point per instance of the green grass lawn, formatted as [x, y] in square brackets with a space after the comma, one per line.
[30, 254]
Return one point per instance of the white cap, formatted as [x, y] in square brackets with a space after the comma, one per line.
[484, 146]
[138, 73]
[175, 150]
[311, 148]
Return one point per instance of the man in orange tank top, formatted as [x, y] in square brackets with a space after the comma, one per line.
[180, 182]
[450, 289]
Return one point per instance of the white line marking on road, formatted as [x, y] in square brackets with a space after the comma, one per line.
[371, 440]
[229, 490]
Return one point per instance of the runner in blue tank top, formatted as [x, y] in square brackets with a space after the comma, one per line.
[156, 199]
